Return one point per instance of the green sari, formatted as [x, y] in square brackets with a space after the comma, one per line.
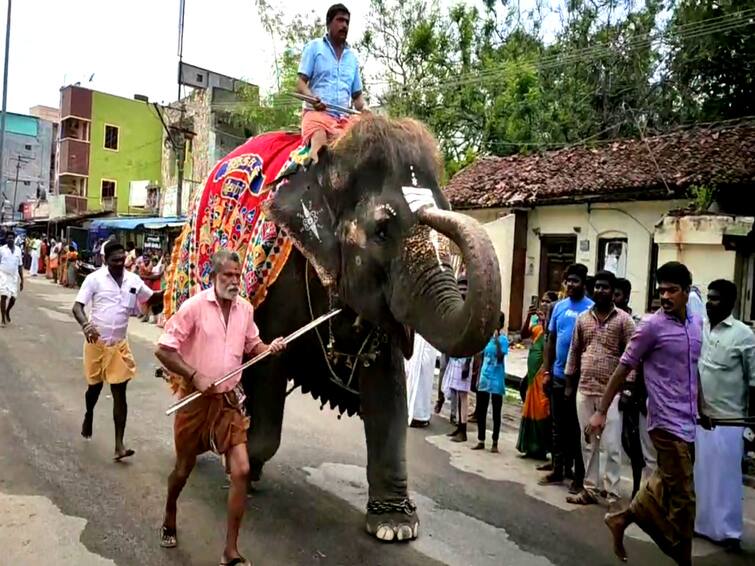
[535, 429]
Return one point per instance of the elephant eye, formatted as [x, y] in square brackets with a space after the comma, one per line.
[381, 230]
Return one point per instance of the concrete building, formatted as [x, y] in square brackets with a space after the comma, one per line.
[623, 206]
[212, 131]
[26, 163]
[51, 115]
[110, 149]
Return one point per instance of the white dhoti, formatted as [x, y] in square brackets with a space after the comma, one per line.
[34, 266]
[8, 284]
[718, 482]
[420, 369]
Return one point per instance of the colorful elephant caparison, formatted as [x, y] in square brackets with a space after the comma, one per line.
[357, 230]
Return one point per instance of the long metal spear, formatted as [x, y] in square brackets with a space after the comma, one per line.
[312, 100]
[291, 337]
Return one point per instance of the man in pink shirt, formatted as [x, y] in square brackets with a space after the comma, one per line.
[203, 341]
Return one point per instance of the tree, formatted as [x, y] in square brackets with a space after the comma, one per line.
[712, 60]
[278, 110]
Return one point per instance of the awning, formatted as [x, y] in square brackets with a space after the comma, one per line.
[135, 223]
[164, 224]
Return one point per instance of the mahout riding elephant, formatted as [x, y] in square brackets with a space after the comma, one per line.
[371, 233]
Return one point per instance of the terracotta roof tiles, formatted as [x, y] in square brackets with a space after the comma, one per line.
[617, 170]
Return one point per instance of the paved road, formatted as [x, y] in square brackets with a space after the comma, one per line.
[63, 501]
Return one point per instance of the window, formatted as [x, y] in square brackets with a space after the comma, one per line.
[612, 255]
[108, 189]
[27, 147]
[111, 137]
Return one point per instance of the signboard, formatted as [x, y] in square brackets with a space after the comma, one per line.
[153, 242]
[168, 207]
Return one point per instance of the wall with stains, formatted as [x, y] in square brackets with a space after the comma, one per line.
[697, 242]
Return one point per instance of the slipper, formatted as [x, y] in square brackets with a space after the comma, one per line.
[240, 561]
[128, 453]
[584, 498]
[168, 538]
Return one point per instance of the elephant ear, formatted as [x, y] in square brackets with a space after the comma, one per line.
[300, 207]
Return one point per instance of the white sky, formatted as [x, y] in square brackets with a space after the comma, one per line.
[131, 46]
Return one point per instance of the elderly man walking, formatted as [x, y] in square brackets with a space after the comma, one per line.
[113, 293]
[727, 378]
[203, 341]
[11, 276]
[667, 344]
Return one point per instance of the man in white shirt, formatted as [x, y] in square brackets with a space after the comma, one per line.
[11, 276]
[113, 293]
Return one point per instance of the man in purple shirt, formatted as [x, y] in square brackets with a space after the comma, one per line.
[667, 345]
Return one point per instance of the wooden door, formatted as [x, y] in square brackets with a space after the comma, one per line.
[556, 254]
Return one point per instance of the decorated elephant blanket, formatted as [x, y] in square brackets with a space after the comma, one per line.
[228, 213]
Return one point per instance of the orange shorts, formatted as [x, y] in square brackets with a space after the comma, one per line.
[313, 121]
[209, 423]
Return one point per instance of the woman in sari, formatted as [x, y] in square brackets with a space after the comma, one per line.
[535, 428]
[72, 258]
[63, 266]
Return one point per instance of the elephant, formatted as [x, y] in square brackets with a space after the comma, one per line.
[372, 232]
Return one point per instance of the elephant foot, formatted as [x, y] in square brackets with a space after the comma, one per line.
[391, 521]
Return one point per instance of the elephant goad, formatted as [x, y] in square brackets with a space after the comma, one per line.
[367, 229]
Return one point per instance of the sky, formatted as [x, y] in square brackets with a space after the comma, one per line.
[130, 47]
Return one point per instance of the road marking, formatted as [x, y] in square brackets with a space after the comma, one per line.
[451, 537]
[34, 531]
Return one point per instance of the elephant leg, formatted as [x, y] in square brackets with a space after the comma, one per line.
[391, 515]
[266, 396]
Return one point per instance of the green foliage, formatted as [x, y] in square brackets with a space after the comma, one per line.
[712, 59]
[702, 197]
[278, 110]
[488, 82]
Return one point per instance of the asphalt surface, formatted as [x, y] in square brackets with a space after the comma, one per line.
[64, 501]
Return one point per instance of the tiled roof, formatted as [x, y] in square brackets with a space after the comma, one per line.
[617, 170]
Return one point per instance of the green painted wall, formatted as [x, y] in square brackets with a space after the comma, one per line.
[139, 146]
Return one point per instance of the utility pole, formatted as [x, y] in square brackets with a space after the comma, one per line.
[180, 149]
[180, 144]
[5, 92]
[19, 160]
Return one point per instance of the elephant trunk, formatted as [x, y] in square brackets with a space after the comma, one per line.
[456, 325]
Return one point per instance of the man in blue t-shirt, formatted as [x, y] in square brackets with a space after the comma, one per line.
[566, 441]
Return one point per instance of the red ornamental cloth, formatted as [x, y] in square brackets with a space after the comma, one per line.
[227, 213]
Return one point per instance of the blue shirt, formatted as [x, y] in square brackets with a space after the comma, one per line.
[332, 80]
[563, 318]
[493, 373]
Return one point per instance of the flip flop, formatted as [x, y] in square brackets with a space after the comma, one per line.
[240, 561]
[127, 454]
[584, 498]
[168, 537]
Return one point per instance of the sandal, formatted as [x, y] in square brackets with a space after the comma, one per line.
[240, 561]
[584, 498]
[168, 538]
